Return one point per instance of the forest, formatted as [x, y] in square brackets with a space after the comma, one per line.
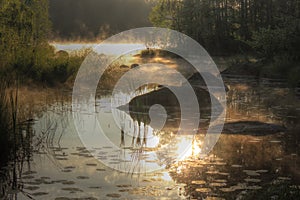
[268, 26]
[267, 29]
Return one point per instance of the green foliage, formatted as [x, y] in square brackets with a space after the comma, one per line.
[160, 16]
[24, 49]
[24, 29]
[284, 41]
[223, 26]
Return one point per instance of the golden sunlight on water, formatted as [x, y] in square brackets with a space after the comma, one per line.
[109, 49]
[188, 147]
[240, 162]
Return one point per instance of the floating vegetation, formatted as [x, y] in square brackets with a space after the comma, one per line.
[83, 198]
[252, 180]
[95, 187]
[251, 172]
[124, 186]
[91, 164]
[101, 170]
[203, 190]
[68, 183]
[199, 182]
[70, 167]
[72, 190]
[40, 193]
[237, 166]
[45, 178]
[32, 188]
[114, 195]
[29, 173]
[82, 177]
[217, 184]
[27, 177]
[124, 190]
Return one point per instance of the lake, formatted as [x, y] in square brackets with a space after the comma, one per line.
[259, 145]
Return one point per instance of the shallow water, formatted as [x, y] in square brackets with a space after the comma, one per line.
[61, 167]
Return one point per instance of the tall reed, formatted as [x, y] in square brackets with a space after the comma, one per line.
[5, 124]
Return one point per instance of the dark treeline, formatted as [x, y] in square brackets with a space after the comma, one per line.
[96, 19]
[269, 26]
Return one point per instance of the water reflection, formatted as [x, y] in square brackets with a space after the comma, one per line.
[61, 167]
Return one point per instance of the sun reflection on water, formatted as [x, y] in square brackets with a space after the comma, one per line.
[188, 147]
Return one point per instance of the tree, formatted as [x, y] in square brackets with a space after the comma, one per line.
[228, 24]
[24, 29]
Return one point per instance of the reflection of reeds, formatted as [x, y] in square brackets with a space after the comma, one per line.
[15, 141]
[138, 146]
[4, 125]
[11, 139]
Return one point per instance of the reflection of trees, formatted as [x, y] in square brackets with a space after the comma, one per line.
[251, 100]
[140, 105]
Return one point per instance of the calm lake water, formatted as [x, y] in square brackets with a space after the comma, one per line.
[246, 157]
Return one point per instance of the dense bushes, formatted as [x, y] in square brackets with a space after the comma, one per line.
[283, 41]
[25, 53]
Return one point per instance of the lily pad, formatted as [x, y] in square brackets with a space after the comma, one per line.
[114, 195]
[40, 193]
[203, 190]
[199, 182]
